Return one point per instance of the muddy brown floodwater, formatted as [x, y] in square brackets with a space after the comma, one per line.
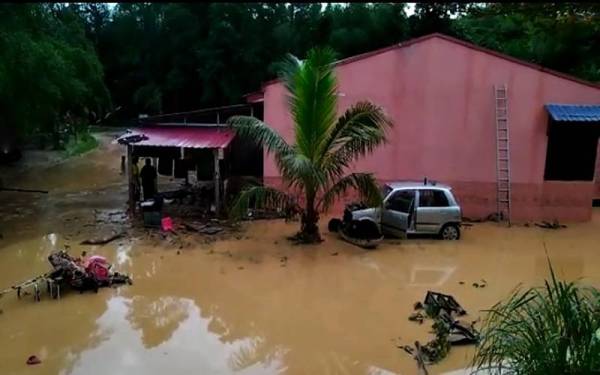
[251, 303]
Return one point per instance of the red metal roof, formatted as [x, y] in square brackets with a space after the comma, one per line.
[181, 136]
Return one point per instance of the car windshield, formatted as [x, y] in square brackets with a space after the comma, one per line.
[385, 190]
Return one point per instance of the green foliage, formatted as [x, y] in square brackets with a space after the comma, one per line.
[80, 143]
[49, 72]
[561, 36]
[554, 329]
[58, 59]
[324, 145]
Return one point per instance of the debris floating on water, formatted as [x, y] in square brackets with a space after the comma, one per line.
[33, 360]
[104, 240]
[554, 225]
[443, 309]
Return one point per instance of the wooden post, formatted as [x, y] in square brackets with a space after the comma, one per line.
[217, 180]
[130, 179]
[155, 165]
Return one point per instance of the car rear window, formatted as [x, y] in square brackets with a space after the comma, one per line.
[432, 198]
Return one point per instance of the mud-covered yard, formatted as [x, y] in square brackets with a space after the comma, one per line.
[247, 302]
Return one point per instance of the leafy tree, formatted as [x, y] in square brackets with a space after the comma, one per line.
[49, 72]
[324, 145]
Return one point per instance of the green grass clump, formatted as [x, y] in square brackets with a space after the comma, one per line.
[554, 329]
[80, 143]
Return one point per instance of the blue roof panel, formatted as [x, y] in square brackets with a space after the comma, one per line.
[574, 112]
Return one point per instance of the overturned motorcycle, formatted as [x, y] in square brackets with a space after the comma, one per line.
[69, 272]
[363, 233]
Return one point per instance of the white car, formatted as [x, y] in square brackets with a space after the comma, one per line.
[413, 208]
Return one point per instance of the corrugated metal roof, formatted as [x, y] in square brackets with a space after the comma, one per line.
[179, 136]
[574, 112]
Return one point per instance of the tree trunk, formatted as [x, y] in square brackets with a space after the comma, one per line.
[309, 231]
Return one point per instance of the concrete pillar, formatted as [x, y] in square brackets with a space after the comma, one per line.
[130, 179]
[217, 177]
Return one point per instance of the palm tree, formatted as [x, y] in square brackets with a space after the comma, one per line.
[324, 145]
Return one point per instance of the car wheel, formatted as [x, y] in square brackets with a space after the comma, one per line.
[450, 232]
[334, 225]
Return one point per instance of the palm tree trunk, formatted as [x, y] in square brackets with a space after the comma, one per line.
[309, 231]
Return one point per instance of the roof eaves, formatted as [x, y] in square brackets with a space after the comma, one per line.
[472, 46]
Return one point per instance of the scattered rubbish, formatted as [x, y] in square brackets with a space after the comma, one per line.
[554, 225]
[33, 360]
[435, 302]
[334, 254]
[416, 317]
[240, 267]
[77, 273]
[476, 285]
[442, 308]
[178, 252]
[104, 240]
[203, 228]
[461, 282]
[166, 224]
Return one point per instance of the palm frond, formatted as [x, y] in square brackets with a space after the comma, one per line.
[312, 96]
[300, 171]
[257, 131]
[362, 128]
[262, 196]
[364, 183]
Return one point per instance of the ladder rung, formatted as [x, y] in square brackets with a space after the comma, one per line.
[503, 169]
[503, 200]
[503, 149]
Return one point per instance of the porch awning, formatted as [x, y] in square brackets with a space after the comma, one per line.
[574, 112]
[179, 136]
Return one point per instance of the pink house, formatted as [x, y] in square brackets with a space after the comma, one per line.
[440, 93]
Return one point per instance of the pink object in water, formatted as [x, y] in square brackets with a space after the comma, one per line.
[167, 224]
[98, 267]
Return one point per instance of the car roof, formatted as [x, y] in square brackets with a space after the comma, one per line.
[417, 185]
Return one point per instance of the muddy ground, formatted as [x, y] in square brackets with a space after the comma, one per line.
[247, 302]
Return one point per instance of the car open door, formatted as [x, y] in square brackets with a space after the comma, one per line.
[397, 213]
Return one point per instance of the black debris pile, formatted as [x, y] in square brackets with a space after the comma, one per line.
[553, 225]
[448, 330]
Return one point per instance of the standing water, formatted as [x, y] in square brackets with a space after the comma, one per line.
[251, 303]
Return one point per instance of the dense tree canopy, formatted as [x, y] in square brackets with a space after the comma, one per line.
[82, 60]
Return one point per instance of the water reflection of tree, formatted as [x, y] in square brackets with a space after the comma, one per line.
[309, 322]
[253, 351]
[157, 319]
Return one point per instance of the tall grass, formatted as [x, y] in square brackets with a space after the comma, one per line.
[554, 329]
[79, 143]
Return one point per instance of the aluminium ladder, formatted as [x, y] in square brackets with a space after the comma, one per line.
[502, 154]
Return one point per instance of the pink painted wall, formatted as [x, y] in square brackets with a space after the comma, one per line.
[440, 96]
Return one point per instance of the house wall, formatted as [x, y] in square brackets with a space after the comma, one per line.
[440, 96]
